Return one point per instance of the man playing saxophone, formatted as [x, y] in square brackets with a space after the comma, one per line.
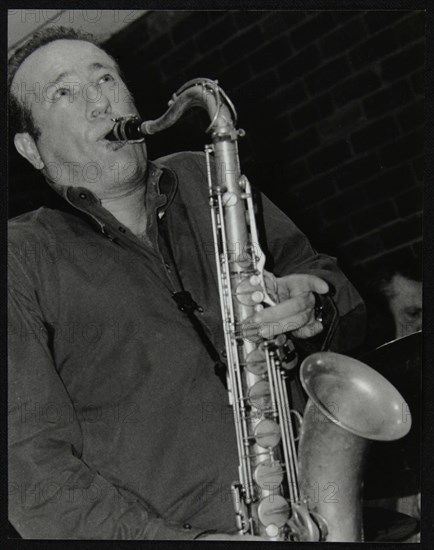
[118, 424]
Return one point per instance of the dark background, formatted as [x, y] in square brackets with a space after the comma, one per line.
[332, 103]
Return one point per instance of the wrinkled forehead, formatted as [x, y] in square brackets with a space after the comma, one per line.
[45, 64]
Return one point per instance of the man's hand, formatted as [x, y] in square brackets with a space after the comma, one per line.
[295, 311]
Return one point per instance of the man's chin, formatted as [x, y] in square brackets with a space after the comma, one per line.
[126, 169]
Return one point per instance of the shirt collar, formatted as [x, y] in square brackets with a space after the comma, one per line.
[161, 187]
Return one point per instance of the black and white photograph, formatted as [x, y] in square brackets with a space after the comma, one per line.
[214, 274]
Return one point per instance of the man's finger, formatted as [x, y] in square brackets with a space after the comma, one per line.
[309, 330]
[253, 331]
[286, 309]
[296, 284]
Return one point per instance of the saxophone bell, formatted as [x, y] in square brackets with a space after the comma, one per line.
[349, 404]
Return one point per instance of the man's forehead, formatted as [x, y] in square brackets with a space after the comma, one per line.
[59, 56]
[406, 288]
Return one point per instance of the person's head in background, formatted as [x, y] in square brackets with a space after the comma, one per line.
[394, 301]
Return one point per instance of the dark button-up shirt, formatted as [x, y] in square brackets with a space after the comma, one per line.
[119, 427]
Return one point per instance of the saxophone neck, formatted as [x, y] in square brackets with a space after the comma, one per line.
[200, 92]
[203, 93]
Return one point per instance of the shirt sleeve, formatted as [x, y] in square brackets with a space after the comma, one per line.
[53, 493]
[289, 251]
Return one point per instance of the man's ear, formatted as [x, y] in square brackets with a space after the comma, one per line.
[26, 146]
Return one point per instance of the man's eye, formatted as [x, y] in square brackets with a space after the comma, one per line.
[106, 78]
[413, 313]
[60, 92]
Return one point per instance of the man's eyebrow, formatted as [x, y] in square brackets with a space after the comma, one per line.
[95, 66]
[60, 77]
[92, 67]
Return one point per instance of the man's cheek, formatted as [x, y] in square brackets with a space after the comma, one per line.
[126, 98]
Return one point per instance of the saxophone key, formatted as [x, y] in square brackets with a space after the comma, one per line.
[272, 531]
[274, 510]
[259, 397]
[267, 433]
[229, 199]
[256, 362]
[249, 291]
[269, 475]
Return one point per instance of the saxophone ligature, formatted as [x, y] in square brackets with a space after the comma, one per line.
[296, 484]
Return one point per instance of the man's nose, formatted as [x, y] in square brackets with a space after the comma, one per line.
[98, 104]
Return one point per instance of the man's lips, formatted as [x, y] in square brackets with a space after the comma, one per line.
[106, 132]
[114, 145]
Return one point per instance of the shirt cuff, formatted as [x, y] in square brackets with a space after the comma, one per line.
[159, 529]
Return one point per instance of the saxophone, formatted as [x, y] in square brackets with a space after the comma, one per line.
[297, 484]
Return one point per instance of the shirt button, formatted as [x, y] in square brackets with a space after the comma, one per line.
[187, 526]
[83, 196]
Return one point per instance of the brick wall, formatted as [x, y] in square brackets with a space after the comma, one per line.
[332, 103]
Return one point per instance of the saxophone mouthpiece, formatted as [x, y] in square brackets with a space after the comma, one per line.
[127, 128]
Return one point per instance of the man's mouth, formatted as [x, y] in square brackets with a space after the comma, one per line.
[110, 144]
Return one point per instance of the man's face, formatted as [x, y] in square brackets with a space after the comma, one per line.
[405, 303]
[78, 90]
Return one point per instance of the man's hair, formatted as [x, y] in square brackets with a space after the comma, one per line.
[377, 292]
[380, 282]
[20, 115]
